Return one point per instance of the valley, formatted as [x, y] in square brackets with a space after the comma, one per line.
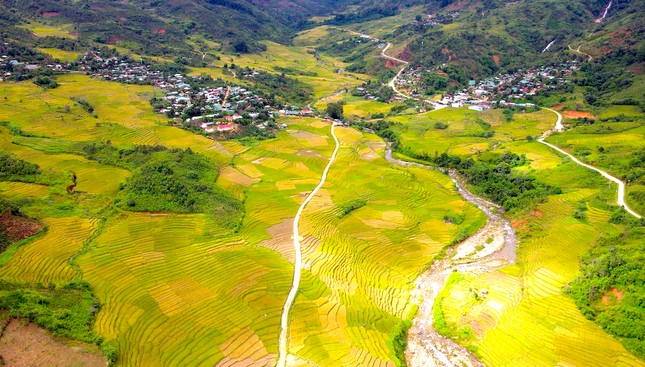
[329, 184]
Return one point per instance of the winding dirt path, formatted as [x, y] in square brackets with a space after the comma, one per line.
[621, 185]
[492, 247]
[590, 58]
[392, 83]
[284, 325]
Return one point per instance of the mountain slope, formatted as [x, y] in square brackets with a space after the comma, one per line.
[162, 27]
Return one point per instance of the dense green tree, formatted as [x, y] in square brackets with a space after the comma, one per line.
[335, 110]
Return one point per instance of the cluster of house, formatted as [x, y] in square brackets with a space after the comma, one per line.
[464, 98]
[9, 63]
[209, 108]
[219, 108]
[366, 93]
[118, 69]
[497, 90]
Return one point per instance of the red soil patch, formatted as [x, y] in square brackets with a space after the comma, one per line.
[51, 14]
[537, 213]
[389, 64]
[614, 294]
[113, 40]
[496, 60]
[18, 228]
[558, 107]
[456, 6]
[405, 54]
[32, 346]
[446, 52]
[519, 223]
[160, 31]
[637, 69]
[576, 114]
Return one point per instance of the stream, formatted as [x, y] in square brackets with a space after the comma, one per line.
[491, 248]
[604, 14]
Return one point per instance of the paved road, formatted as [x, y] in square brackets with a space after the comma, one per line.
[392, 83]
[621, 185]
[284, 325]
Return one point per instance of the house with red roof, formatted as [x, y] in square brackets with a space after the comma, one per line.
[225, 127]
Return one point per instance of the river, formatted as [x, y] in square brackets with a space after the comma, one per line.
[491, 248]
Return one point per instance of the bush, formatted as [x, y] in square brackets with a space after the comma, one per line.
[163, 179]
[350, 206]
[335, 110]
[440, 125]
[400, 340]
[45, 82]
[12, 167]
[110, 353]
[64, 312]
[610, 288]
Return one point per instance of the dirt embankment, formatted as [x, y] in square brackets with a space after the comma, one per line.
[28, 345]
[576, 114]
[15, 228]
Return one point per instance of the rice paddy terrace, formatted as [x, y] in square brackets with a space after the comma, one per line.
[522, 316]
[180, 289]
[189, 290]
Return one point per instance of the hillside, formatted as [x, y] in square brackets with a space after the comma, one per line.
[165, 27]
[474, 39]
[334, 183]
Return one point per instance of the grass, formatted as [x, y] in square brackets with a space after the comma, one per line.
[44, 30]
[62, 55]
[611, 146]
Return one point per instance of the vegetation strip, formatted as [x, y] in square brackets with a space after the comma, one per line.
[621, 185]
[284, 325]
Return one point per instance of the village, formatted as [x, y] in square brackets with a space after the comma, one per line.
[198, 103]
[503, 90]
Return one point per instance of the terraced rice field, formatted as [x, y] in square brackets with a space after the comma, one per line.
[359, 269]
[181, 290]
[524, 319]
[325, 82]
[46, 260]
[124, 116]
[173, 293]
[44, 30]
[611, 147]
[63, 56]
[418, 133]
[357, 106]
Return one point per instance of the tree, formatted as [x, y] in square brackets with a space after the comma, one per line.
[45, 82]
[241, 47]
[335, 110]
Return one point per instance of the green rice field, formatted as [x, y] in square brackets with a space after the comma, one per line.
[524, 318]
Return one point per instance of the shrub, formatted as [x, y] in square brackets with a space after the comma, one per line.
[45, 82]
[440, 125]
